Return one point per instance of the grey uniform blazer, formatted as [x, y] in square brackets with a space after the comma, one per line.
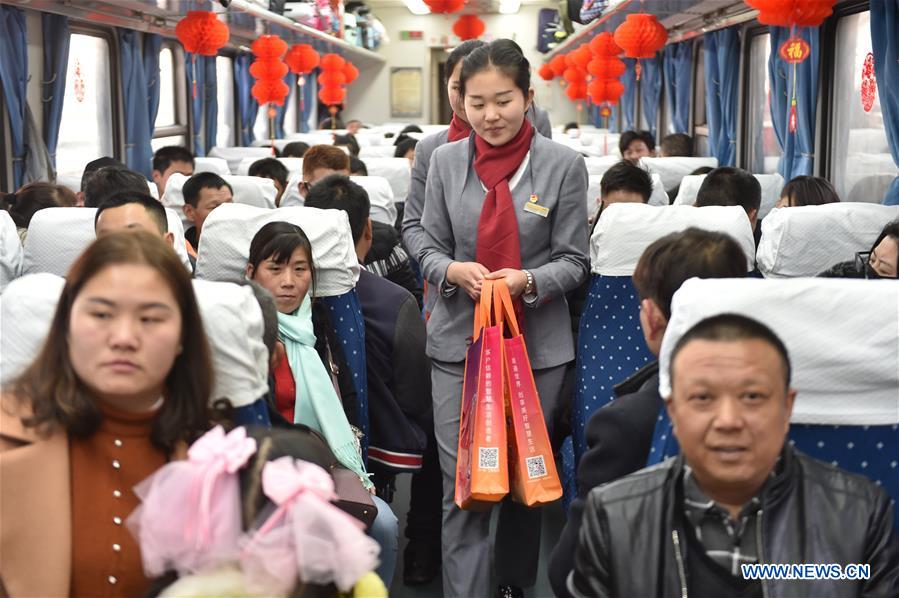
[553, 248]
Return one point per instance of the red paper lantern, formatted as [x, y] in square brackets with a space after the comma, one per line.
[302, 58]
[469, 27]
[268, 68]
[641, 36]
[605, 90]
[558, 65]
[606, 67]
[350, 72]
[332, 62]
[200, 32]
[786, 13]
[331, 96]
[546, 72]
[273, 91]
[581, 57]
[331, 79]
[269, 46]
[572, 75]
[445, 6]
[576, 91]
[604, 45]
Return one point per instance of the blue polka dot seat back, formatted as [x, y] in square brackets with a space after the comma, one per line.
[844, 360]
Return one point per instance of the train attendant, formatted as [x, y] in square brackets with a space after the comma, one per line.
[118, 389]
[504, 203]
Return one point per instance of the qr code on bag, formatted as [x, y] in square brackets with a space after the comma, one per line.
[536, 467]
[488, 458]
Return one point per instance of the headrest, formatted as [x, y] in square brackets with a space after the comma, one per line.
[233, 155]
[230, 228]
[57, 236]
[771, 185]
[294, 165]
[376, 151]
[625, 230]
[397, 171]
[250, 190]
[676, 168]
[234, 326]
[599, 165]
[318, 138]
[153, 190]
[380, 195]
[206, 164]
[594, 194]
[26, 310]
[807, 240]
[11, 252]
[840, 334]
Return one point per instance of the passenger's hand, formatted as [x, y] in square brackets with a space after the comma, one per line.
[467, 275]
[516, 280]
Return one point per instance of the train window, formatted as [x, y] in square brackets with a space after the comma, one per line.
[166, 115]
[764, 152]
[700, 128]
[861, 165]
[224, 68]
[86, 128]
[170, 127]
[292, 105]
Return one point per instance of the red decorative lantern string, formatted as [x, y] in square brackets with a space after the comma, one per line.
[641, 36]
[301, 59]
[336, 72]
[606, 69]
[269, 71]
[201, 33]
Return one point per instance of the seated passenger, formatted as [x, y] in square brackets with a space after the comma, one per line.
[321, 161]
[331, 122]
[738, 494]
[619, 434]
[169, 160]
[672, 194]
[729, 186]
[569, 127]
[203, 193]
[625, 182]
[807, 191]
[406, 149]
[353, 126]
[34, 197]
[271, 168]
[634, 145]
[92, 167]
[880, 262]
[132, 211]
[357, 167]
[109, 180]
[677, 144]
[294, 149]
[347, 141]
[119, 388]
[404, 134]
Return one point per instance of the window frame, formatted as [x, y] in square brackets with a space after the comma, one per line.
[182, 114]
[697, 129]
[747, 36]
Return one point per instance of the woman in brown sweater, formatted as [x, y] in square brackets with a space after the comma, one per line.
[120, 386]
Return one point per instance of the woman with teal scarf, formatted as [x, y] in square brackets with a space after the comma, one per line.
[281, 262]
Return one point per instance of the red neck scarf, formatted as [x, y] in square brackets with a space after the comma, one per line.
[458, 129]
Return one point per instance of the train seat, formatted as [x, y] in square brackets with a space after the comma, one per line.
[294, 165]
[233, 155]
[250, 190]
[806, 240]
[207, 164]
[599, 165]
[57, 236]
[846, 372]
[771, 185]
[675, 168]
[397, 171]
[658, 197]
[610, 340]
[11, 252]
[380, 195]
[376, 151]
[26, 311]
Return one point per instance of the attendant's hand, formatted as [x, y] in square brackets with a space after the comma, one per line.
[516, 280]
[467, 275]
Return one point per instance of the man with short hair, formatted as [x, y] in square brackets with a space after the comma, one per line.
[169, 160]
[634, 145]
[132, 211]
[398, 376]
[320, 161]
[353, 126]
[271, 168]
[625, 182]
[738, 494]
[295, 149]
[729, 186]
[110, 180]
[90, 169]
[676, 144]
[203, 193]
[619, 434]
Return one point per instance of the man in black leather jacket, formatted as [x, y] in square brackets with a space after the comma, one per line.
[738, 495]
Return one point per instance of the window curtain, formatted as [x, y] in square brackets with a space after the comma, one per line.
[210, 103]
[281, 111]
[798, 148]
[246, 104]
[651, 91]
[14, 77]
[629, 98]
[138, 131]
[677, 64]
[308, 107]
[53, 84]
[722, 69]
[885, 42]
[195, 72]
[152, 46]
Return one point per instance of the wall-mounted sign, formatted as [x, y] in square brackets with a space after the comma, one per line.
[405, 92]
[411, 35]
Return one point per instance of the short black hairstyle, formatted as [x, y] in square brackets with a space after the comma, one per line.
[809, 191]
[155, 209]
[733, 327]
[404, 146]
[200, 181]
[626, 176]
[164, 156]
[338, 192]
[628, 137]
[570, 126]
[94, 165]
[348, 141]
[294, 149]
[458, 54]
[358, 167]
[677, 144]
[729, 186]
[270, 168]
[891, 230]
[110, 180]
[505, 56]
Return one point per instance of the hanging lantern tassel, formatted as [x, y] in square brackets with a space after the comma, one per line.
[272, 113]
[793, 51]
[193, 74]
[605, 112]
[638, 69]
[793, 117]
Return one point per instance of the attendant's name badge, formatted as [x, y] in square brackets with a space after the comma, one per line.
[535, 208]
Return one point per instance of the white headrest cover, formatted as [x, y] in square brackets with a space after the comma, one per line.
[380, 195]
[807, 240]
[658, 197]
[676, 168]
[397, 171]
[153, 190]
[250, 190]
[294, 165]
[841, 336]
[230, 228]
[233, 155]
[206, 164]
[11, 252]
[26, 310]
[233, 323]
[625, 230]
[771, 185]
[601, 164]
